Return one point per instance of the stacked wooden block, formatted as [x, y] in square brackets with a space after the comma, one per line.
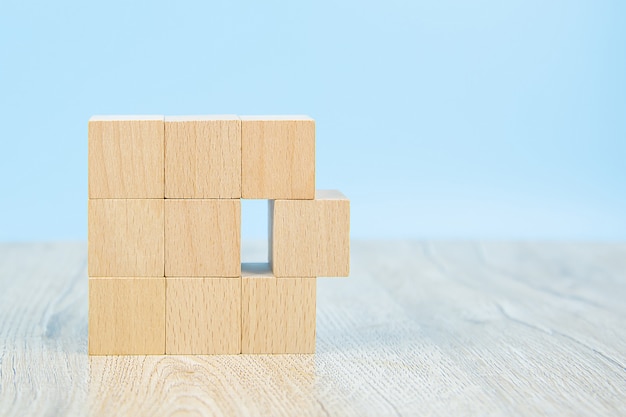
[165, 271]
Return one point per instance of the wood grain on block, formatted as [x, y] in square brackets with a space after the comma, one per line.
[127, 316]
[278, 157]
[126, 157]
[310, 238]
[203, 316]
[202, 157]
[126, 238]
[203, 238]
[278, 314]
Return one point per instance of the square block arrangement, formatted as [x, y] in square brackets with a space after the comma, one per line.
[126, 157]
[203, 238]
[164, 255]
[202, 157]
[278, 157]
[126, 237]
[126, 316]
[278, 314]
[310, 238]
[203, 316]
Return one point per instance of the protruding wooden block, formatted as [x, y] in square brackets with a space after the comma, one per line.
[278, 314]
[278, 157]
[202, 238]
[203, 316]
[310, 238]
[126, 157]
[202, 157]
[126, 316]
[126, 238]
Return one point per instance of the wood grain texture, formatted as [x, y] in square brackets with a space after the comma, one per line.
[421, 328]
[310, 238]
[126, 316]
[126, 157]
[278, 157]
[126, 238]
[203, 238]
[278, 315]
[202, 157]
[203, 316]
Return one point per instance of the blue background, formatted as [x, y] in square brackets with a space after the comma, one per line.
[439, 119]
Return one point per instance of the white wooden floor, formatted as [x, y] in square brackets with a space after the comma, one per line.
[485, 329]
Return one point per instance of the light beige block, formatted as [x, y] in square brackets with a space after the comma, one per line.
[202, 238]
[203, 316]
[126, 238]
[278, 157]
[202, 157]
[278, 314]
[126, 316]
[310, 238]
[126, 157]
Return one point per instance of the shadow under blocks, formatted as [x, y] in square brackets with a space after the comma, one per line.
[164, 234]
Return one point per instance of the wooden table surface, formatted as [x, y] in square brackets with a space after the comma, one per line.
[420, 328]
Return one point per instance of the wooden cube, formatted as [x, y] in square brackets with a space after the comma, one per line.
[126, 157]
[310, 238]
[202, 157]
[277, 157]
[126, 238]
[202, 238]
[203, 316]
[127, 316]
[278, 314]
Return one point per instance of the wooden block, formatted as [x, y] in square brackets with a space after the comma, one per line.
[277, 157]
[203, 316]
[127, 316]
[203, 238]
[310, 238]
[126, 238]
[202, 157]
[126, 157]
[278, 314]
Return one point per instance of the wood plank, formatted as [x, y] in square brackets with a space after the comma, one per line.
[126, 238]
[278, 157]
[127, 316]
[278, 314]
[203, 316]
[202, 157]
[441, 328]
[203, 238]
[310, 238]
[126, 157]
